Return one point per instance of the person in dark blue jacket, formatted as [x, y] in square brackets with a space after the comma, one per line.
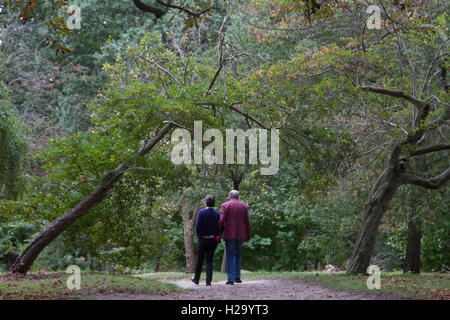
[207, 229]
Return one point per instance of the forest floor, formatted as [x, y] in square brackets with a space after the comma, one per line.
[255, 286]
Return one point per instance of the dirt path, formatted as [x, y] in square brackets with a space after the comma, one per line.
[264, 289]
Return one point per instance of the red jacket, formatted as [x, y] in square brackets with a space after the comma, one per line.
[235, 219]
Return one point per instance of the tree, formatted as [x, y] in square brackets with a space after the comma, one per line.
[46, 236]
[391, 179]
[167, 101]
[370, 60]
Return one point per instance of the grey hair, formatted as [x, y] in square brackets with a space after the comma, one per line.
[234, 194]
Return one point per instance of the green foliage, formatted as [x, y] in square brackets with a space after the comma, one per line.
[294, 232]
[13, 237]
[13, 146]
[284, 64]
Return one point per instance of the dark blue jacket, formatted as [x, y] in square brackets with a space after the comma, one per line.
[207, 223]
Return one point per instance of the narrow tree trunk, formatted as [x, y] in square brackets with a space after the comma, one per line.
[91, 262]
[316, 265]
[159, 246]
[379, 197]
[223, 268]
[158, 262]
[189, 218]
[412, 260]
[55, 228]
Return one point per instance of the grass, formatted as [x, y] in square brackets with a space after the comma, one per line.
[92, 284]
[433, 286]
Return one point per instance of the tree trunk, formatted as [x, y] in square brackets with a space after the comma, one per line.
[158, 262]
[55, 228]
[379, 197]
[412, 260]
[189, 218]
[223, 268]
[91, 262]
[392, 178]
[159, 245]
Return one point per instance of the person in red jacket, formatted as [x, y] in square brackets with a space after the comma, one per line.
[235, 221]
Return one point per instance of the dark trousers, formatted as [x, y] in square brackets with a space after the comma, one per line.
[205, 247]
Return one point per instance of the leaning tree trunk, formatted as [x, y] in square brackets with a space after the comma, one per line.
[393, 177]
[379, 197]
[55, 228]
[45, 237]
[412, 260]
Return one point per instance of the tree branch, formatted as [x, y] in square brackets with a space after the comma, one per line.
[158, 12]
[433, 183]
[161, 68]
[149, 144]
[183, 9]
[435, 148]
[420, 104]
[247, 116]
[221, 60]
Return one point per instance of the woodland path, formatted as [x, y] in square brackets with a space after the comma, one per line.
[263, 289]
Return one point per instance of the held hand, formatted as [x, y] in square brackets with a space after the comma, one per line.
[218, 238]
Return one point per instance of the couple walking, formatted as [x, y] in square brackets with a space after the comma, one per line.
[234, 221]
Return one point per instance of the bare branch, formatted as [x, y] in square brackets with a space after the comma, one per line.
[435, 148]
[433, 183]
[137, 169]
[420, 104]
[149, 144]
[161, 68]
[221, 58]
[247, 116]
[175, 124]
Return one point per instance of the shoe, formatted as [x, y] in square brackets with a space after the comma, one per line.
[208, 284]
[230, 282]
[193, 280]
[237, 280]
